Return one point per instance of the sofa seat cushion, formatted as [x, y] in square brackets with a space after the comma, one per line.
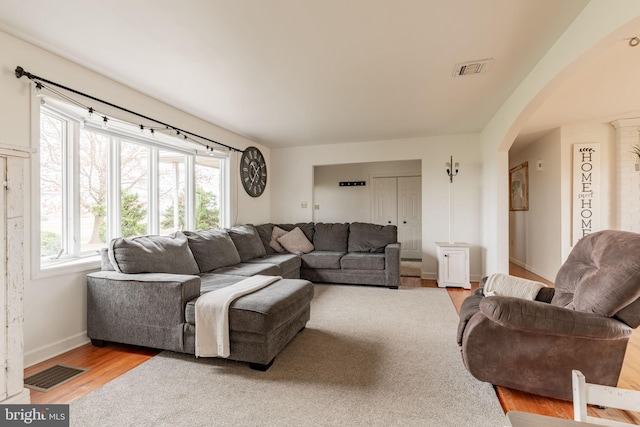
[322, 259]
[212, 249]
[286, 262]
[247, 269]
[362, 261]
[210, 281]
[266, 309]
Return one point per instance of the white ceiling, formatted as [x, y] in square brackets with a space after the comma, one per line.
[299, 72]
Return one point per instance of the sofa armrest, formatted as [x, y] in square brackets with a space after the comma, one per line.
[142, 309]
[542, 318]
[392, 264]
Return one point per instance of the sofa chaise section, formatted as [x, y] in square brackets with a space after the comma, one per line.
[128, 304]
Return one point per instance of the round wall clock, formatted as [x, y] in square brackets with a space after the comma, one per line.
[253, 171]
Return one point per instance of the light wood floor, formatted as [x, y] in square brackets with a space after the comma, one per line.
[108, 363]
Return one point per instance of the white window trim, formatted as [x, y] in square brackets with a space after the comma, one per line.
[90, 262]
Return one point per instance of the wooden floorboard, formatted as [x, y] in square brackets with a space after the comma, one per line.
[107, 363]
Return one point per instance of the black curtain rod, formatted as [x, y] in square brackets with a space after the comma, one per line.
[20, 72]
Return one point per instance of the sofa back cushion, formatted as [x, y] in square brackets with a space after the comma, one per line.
[306, 227]
[331, 237]
[247, 241]
[153, 254]
[265, 231]
[364, 237]
[602, 276]
[212, 249]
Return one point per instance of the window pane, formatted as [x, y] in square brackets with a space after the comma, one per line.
[93, 163]
[207, 181]
[134, 178]
[52, 137]
[171, 186]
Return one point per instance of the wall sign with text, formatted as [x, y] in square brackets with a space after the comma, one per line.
[586, 190]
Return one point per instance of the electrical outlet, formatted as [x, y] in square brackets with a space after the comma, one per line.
[303, 205]
[316, 207]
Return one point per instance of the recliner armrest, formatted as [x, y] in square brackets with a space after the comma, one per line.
[542, 318]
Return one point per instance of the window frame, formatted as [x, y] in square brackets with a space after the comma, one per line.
[73, 259]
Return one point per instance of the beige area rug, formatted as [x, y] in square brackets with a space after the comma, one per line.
[368, 357]
[410, 268]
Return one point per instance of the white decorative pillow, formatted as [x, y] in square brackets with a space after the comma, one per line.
[275, 235]
[296, 242]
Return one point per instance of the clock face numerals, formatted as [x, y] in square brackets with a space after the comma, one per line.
[253, 171]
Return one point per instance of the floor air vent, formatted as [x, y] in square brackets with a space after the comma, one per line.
[52, 377]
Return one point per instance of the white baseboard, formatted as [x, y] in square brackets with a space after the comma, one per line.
[532, 269]
[22, 398]
[55, 349]
[434, 276]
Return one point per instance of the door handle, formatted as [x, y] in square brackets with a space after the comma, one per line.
[389, 222]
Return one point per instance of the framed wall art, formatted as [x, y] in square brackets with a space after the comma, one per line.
[519, 187]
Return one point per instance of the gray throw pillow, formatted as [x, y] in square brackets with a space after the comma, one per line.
[365, 237]
[331, 237]
[153, 254]
[212, 249]
[247, 241]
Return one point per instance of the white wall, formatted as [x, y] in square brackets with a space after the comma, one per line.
[349, 204]
[55, 304]
[535, 234]
[540, 238]
[293, 174]
[599, 24]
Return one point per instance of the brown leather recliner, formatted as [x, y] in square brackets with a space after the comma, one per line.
[584, 323]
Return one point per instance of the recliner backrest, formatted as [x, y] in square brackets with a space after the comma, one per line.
[602, 276]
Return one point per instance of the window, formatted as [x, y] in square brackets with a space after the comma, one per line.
[96, 184]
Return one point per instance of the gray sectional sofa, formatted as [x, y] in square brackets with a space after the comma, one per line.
[146, 291]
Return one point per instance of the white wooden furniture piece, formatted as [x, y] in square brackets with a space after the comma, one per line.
[453, 265]
[525, 419]
[12, 222]
[611, 397]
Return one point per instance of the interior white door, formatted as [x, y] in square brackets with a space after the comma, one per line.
[398, 201]
[385, 201]
[410, 216]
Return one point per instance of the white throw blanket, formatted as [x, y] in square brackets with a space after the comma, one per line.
[510, 286]
[212, 315]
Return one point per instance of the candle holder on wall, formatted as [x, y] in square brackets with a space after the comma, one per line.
[452, 168]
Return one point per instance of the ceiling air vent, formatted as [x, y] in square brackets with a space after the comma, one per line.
[472, 67]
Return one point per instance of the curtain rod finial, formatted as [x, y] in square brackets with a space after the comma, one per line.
[19, 72]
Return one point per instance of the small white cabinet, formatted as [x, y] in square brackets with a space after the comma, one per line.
[453, 265]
